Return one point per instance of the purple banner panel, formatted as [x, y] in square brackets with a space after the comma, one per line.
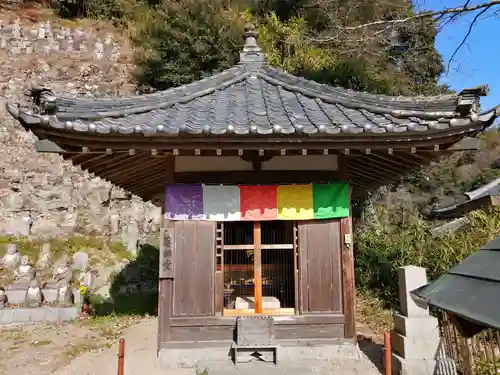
[185, 202]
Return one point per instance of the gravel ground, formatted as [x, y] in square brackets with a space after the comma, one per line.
[141, 359]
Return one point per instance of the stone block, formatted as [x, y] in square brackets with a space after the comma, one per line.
[415, 348]
[411, 278]
[22, 315]
[6, 316]
[248, 303]
[422, 326]
[68, 313]
[38, 314]
[52, 314]
[441, 366]
[16, 297]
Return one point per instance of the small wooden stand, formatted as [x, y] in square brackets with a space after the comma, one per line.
[255, 337]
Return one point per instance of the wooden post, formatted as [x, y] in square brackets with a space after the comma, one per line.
[387, 353]
[348, 276]
[166, 275]
[121, 356]
[257, 262]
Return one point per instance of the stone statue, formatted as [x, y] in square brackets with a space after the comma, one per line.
[48, 28]
[98, 50]
[65, 295]
[24, 274]
[85, 278]
[3, 42]
[70, 46]
[115, 52]
[44, 259]
[16, 29]
[41, 31]
[62, 274]
[15, 48]
[33, 295]
[28, 47]
[3, 298]
[83, 47]
[34, 31]
[11, 258]
[109, 39]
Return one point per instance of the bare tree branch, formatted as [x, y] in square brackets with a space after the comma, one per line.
[469, 31]
[454, 11]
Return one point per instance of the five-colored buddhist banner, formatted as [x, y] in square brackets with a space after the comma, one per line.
[257, 202]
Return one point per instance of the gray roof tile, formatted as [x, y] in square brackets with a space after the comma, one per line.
[252, 98]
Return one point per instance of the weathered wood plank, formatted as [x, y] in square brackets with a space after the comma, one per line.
[165, 293]
[321, 281]
[347, 261]
[309, 331]
[194, 257]
[178, 321]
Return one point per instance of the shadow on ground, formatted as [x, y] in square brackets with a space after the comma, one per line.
[374, 351]
[135, 289]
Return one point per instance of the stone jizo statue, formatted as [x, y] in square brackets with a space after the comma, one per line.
[11, 258]
[25, 273]
[3, 298]
[34, 295]
[62, 274]
[65, 295]
[44, 259]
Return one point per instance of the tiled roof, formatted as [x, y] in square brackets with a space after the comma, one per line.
[254, 98]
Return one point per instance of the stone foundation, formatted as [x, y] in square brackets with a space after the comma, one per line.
[213, 357]
[38, 315]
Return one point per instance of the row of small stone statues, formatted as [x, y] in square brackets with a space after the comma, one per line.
[40, 37]
[26, 281]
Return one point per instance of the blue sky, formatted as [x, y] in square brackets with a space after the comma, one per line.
[477, 62]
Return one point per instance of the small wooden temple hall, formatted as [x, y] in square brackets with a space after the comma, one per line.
[255, 170]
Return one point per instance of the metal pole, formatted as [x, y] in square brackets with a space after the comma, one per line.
[387, 353]
[121, 356]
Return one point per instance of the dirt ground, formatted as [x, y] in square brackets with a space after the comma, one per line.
[90, 346]
[44, 349]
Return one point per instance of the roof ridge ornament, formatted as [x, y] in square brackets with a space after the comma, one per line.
[251, 51]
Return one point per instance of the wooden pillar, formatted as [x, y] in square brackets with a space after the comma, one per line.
[347, 256]
[257, 261]
[166, 264]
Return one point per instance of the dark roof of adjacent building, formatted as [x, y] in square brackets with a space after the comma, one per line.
[469, 289]
[473, 200]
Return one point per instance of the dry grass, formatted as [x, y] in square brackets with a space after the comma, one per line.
[372, 318]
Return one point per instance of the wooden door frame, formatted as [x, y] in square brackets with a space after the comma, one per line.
[257, 276]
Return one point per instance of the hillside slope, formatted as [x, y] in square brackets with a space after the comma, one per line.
[40, 194]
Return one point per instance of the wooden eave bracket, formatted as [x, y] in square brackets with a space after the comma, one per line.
[466, 144]
[48, 147]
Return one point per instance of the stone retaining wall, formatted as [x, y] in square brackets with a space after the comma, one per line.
[41, 195]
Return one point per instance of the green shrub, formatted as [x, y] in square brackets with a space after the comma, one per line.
[107, 9]
[383, 248]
